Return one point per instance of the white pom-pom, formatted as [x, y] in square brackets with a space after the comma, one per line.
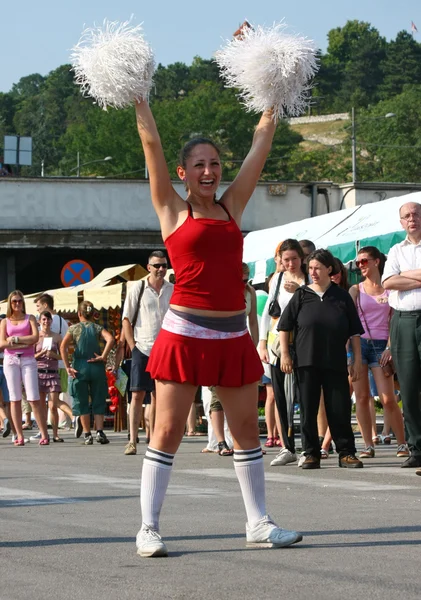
[114, 64]
[270, 68]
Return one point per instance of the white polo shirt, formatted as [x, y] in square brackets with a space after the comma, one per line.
[153, 307]
[404, 256]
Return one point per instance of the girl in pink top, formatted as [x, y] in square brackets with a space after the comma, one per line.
[371, 300]
[18, 334]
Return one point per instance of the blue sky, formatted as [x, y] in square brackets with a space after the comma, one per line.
[36, 37]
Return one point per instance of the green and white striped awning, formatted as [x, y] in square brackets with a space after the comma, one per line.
[342, 232]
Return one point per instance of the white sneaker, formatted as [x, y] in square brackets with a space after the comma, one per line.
[149, 543]
[36, 437]
[266, 534]
[302, 459]
[283, 458]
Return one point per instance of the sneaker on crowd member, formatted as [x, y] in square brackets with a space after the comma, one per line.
[101, 438]
[311, 462]
[284, 457]
[368, 452]
[350, 461]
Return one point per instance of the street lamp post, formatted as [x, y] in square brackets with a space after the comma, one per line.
[354, 139]
[79, 165]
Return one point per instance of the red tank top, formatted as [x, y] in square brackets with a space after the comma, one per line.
[206, 255]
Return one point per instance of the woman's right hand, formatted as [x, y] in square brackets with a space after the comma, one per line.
[263, 353]
[286, 363]
[71, 372]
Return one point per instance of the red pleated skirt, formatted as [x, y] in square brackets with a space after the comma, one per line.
[230, 362]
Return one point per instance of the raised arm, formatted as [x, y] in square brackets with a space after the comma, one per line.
[239, 192]
[166, 202]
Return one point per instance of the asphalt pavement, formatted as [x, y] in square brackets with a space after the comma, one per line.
[69, 515]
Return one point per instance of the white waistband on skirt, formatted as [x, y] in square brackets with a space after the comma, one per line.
[175, 324]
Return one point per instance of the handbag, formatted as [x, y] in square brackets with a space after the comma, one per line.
[389, 369]
[274, 309]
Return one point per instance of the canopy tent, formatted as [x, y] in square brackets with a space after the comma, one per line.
[103, 291]
[343, 232]
[260, 246]
[376, 224]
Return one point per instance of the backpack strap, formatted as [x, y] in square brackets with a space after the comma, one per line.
[139, 300]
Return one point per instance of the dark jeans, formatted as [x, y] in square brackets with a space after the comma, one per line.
[284, 408]
[334, 384]
[405, 337]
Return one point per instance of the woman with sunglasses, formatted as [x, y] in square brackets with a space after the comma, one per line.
[204, 339]
[47, 355]
[18, 334]
[371, 300]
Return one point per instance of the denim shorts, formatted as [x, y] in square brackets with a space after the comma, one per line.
[371, 351]
[3, 385]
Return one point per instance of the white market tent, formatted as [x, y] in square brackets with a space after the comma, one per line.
[343, 232]
[98, 290]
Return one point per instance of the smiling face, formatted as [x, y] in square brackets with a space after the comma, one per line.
[16, 303]
[367, 264]
[45, 322]
[319, 274]
[157, 268]
[202, 171]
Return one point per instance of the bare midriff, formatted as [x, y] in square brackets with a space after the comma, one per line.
[207, 313]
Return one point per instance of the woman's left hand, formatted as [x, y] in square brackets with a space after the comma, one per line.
[98, 358]
[385, 358]
[355, 371]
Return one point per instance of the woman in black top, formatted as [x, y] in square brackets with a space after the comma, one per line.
[323, 317]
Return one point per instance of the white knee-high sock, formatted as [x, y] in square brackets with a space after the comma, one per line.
[251, 476]
[156, 474]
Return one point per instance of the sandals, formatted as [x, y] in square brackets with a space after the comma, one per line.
[386, 439]
[58, 439]
[270, 442]
[224, 449]
[324, 454]
[376, 440]
[19, 442]
[44, 442]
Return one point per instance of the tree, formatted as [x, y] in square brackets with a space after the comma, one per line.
[388, 148]
[27, 86]
[7, 111]
[402, 65]
[356, 51]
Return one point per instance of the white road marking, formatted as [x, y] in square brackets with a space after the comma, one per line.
[15, 496]
[362, 486]
[124, 483]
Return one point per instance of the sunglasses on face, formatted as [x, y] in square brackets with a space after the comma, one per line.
[159, 265]
[362, 263]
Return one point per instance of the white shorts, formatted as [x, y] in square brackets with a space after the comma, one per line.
[20, 370]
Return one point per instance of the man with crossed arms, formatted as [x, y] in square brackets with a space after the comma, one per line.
[402, 275]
